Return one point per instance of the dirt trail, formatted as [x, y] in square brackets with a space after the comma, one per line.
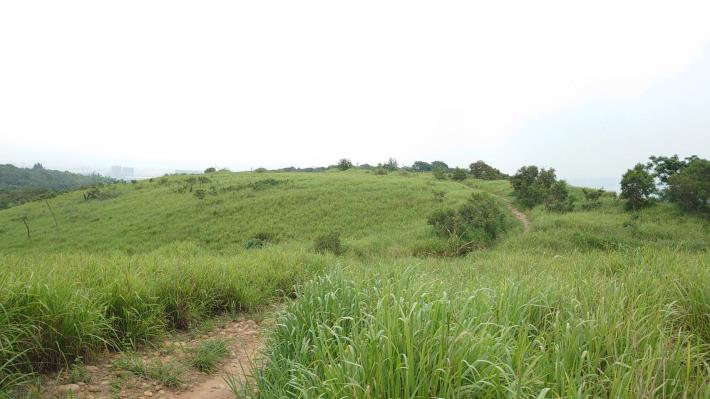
[520, 216]
[104, 380]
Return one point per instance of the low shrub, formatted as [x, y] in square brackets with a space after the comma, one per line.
[255, 243]
[473, 225]
[328, 243]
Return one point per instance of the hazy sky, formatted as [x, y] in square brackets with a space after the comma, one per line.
[586, 87]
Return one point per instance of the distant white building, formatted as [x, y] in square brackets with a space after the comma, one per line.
[121, 172]
[127, 172]
[116, 172]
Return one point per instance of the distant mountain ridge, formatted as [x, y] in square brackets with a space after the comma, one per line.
[20, 185]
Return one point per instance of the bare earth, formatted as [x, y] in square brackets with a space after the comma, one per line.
[520, 216]
[103, 380]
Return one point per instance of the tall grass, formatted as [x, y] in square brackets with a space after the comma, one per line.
[54, 308]
[409, 333]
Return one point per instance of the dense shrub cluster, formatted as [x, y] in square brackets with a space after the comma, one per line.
[345, 164]
[685, 182]
[483, 171]
[473, 225]
[533, 186]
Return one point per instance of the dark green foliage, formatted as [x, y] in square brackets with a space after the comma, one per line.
[344, 164]
[481, 170]
[254, 243]
[421, 166]
[473, 225]
[96, 193]
[458, 174]
[328, 243]
[20, 185]
[260, 170]
[665, 167]
[390, 165]
[439, 173]
[558, 198]
[440, 165]
[690, 188]
[211, 169]
[637, 186]
[591, 198]
[200, 193]
[532, 185]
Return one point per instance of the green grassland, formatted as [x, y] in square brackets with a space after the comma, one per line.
[592, 303]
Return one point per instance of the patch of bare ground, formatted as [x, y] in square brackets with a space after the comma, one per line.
[164, 372]
[520, 216]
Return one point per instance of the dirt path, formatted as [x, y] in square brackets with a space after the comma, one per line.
[520, 216]
[108, 378]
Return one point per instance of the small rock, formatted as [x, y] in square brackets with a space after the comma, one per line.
[93, 388]
[68, 388]
[161, 392]
[148, 393]
[91, 369]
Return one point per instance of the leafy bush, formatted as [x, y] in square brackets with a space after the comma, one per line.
[439, 173]
[532, 185]
[690, 188]
[344, 164]
[329, 242]
[458, 174]
[421, 166]
[558, 198]
[260, 170]
[200, 193]
[211, 169]
[637, 186]
[473, 225]
[592, 198]
[481, 170]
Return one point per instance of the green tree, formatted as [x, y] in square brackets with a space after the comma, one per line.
[481, 170]
[458, 174]
[558, 198]
[440, 165]
[690, 188]
[421, 166]
[344, 164]
[637, 186]
[210, 170]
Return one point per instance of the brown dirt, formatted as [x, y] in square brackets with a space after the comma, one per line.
[520, 216]
[103, 380]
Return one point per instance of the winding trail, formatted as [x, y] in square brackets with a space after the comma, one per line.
[520, 216]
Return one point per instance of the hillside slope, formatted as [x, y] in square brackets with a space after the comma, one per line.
[20, 185]
[221, 211]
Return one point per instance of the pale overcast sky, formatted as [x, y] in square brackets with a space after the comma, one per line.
[586, 87]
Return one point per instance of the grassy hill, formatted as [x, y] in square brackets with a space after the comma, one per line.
[20, 185]
[592, 303]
